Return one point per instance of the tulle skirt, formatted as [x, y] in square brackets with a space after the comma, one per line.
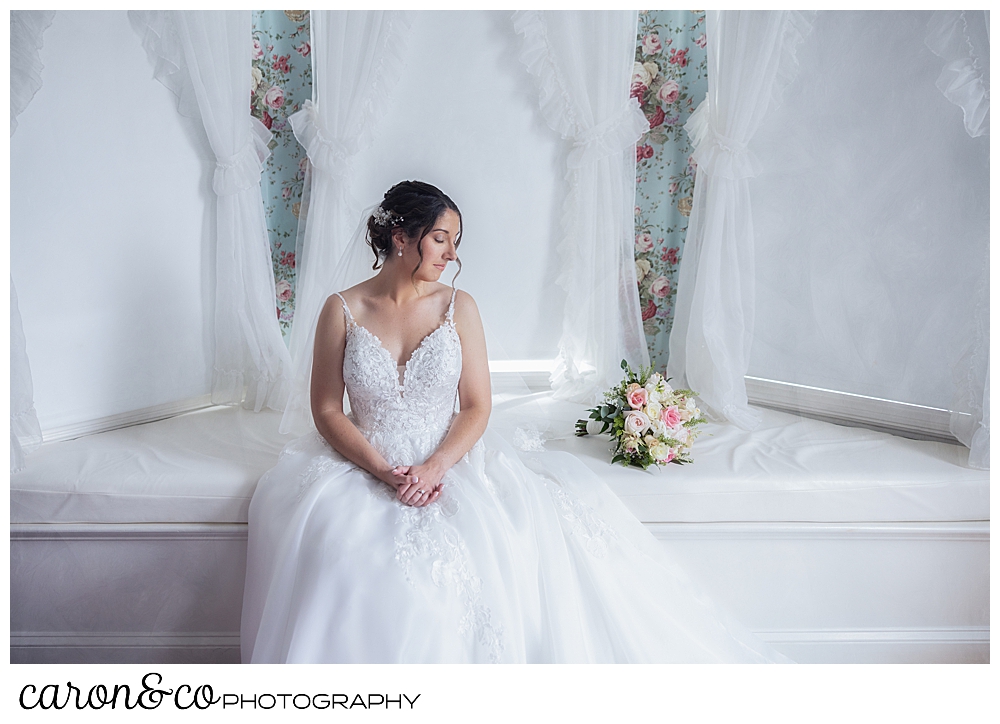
[526, 557]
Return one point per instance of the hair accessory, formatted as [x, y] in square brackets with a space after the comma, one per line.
[384, 218]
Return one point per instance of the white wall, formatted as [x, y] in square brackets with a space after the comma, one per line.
[111, 229]
[465, 118]
[871, 219]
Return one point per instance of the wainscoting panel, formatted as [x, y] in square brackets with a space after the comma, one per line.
[819, 592]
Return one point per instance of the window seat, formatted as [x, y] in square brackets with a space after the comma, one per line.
[835, 544]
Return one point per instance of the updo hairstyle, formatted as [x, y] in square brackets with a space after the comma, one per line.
[414, 207]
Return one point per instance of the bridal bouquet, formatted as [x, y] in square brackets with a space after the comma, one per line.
[651, 423]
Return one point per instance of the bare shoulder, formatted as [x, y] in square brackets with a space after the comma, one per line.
[466, 311]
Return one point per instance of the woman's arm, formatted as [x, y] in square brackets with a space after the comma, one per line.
[474, 398]
[327, 397]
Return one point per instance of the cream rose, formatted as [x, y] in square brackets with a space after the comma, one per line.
[644, 242]
[642, 267]
[640, 75]
[652, 406]
[636, 422]
[255, 78]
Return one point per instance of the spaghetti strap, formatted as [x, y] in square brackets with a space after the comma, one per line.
[347, 312]
[450, 316]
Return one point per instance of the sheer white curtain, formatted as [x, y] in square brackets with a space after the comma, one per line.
[358, 57]
[962, 39]
[583, 64]
[750, 58]
[204, 57]
[26, 30]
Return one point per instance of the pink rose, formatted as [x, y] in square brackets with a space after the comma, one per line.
[672, 188]
[283, 290]
[649, 311]
[670, 416]
[275, 97]
[286, 193]
[651, 43]
[267, 120]
[258, 52]
[644, 242]
[679, 57]
[701, 41]
[304, 49]
[637, 91]
[660, 287]
[637, 398]
[668, 92]
[670, 255]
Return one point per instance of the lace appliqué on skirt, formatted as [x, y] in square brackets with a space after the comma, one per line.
[426, 534]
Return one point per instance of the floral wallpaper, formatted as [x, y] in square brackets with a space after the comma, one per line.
[281, 81]
[670, 79]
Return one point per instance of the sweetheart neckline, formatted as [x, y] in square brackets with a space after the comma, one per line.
[400, 386]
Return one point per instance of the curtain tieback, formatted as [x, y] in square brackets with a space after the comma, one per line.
[327, 155]
[725, 157]
[610, 136]
[242, 170]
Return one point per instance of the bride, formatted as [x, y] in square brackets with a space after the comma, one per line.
[406, 532]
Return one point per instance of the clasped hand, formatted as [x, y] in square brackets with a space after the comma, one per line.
[416, 485]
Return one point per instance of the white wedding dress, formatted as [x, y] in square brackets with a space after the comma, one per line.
[523, 558]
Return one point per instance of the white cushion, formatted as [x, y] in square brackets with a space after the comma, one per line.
[203, 466]
[795, 468]
[198, 467]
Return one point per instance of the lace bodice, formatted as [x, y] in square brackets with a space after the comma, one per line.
[404, 418]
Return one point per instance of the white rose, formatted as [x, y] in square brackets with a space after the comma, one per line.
[255, 78]
[642, 267]
[657, 427]
[652, 68]
[681, 435]
[653, 407]
[690, 405]
[636, 422]
[660, 451]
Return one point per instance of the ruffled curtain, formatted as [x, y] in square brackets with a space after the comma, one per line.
[358, 57]
[751, 57]
[204, 58]
[962, 39]
[26, 30]
[583, 64]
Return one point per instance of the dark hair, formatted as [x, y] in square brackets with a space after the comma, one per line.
[414, 207]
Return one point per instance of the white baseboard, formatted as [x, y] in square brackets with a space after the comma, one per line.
[887, 645]
[125, 419]
[950, 645]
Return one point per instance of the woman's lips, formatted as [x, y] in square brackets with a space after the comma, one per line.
[440, 266]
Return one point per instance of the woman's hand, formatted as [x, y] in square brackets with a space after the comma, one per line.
[418, 485]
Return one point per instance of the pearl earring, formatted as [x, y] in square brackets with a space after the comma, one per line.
[400, 253]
